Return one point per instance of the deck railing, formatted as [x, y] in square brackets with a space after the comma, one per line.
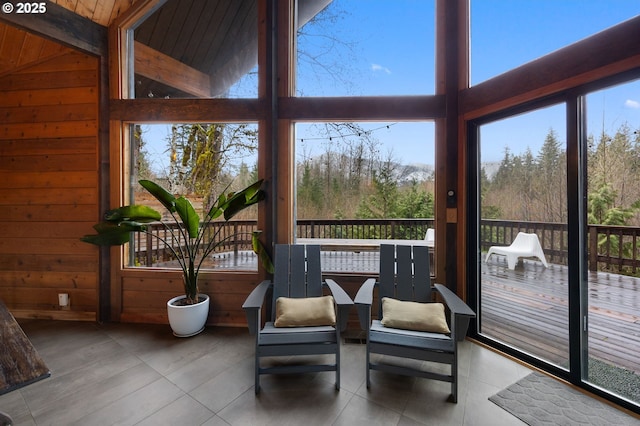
[395, 229]
[618, 247]
[152, 248]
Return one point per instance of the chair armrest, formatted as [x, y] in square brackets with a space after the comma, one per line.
[460, 311]
[253, 304]
[364, 299]
[343, 301]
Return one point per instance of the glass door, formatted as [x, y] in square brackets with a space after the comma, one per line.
[613, 240]
[523, 281]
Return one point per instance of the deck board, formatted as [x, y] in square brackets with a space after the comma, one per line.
[528, 309]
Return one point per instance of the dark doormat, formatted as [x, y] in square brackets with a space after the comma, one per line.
[541, 400]
[20, 364]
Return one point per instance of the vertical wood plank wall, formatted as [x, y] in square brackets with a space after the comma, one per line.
[49, 187]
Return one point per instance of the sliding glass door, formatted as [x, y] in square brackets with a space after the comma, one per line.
[567, 176]
[522, 234]
[613, 237]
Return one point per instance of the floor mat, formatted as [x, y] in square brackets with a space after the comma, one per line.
[20, 364]
[541, 400]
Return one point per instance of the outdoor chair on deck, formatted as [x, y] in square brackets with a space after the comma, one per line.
[410, 324]
[303, 321]
[524, 245]
[430, 237]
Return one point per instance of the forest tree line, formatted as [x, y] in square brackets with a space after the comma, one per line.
[353, 179]
[534, 187]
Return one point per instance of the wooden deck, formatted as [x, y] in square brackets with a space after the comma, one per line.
[528, 309]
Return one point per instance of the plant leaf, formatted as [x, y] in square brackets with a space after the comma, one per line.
[189, 216]
[128, 226]
[252, 194]
[165, 197]
[216, 209]
[134, 213]
[115, 237]
[261, 251]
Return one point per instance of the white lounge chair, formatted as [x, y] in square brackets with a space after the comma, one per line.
[524, 245]
[430, 237]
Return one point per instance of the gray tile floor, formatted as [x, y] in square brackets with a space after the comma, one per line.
[142, 375]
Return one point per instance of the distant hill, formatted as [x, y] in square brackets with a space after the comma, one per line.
[415, 172]
[418, 172]
[491, 169]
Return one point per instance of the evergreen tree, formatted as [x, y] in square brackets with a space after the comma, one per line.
[382, 203]
[550, 179]
[414, 202]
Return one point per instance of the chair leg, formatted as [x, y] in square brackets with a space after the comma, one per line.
[257, 375]
[338, 368]
[368, 365]
[454, 376]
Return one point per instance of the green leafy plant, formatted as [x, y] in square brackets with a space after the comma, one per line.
[119, 223]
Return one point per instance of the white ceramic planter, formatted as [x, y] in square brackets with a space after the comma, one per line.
[188, 320]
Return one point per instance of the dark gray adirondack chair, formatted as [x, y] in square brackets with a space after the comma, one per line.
[297, 274]
[405, 275]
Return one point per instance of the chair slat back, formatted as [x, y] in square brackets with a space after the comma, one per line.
[297, 272]
[404, 273]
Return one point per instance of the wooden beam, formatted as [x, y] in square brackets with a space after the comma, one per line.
[187, 110]
[63, 26]
[164, 69]
[363, 108]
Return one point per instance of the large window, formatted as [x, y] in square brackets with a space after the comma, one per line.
[199, 161]
[366, 48]
[364, 181]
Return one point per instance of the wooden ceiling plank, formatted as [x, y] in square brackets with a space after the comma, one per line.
[230, 28]
[204, 23]
[152, 35]
[164, 69]
[209, 37]
[87, 9]
[179, 24]
[102, 12]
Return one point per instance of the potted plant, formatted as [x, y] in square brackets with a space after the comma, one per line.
[199, 242]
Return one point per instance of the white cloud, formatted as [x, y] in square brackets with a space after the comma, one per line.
[376, 67]
[632, 104]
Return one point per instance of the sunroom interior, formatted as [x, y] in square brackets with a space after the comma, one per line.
[80, 77]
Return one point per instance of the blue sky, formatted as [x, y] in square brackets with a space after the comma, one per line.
[387, 48]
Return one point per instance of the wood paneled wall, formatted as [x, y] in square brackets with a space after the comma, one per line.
[145, 294]
[49, 187]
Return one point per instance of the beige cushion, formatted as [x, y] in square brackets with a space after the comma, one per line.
[414, 316]
[301, 312]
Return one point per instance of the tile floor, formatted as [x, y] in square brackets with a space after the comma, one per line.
[142, 375]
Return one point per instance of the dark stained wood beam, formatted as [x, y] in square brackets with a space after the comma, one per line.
[362, 108]
[164, 69]
[615, 50]
[187, 110]
[63, 26]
